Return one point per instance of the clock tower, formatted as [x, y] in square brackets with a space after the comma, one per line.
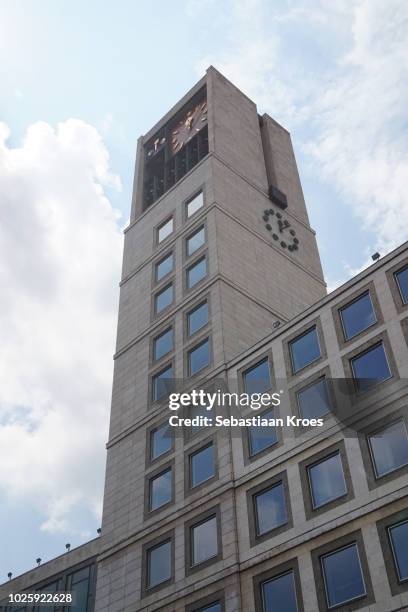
[218, 252]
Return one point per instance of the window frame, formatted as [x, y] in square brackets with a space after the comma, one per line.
[205, 602]
[159, 291]
[356, 299]
[187, 312]
[201, 226]
[352, 599]
[158, 334]
[310, 510]
[192, 197]
[202, 256]
[149, 446]
[249, 457]
[361, 354]
[393, 520]
[274, 573]
[152, 378]
[157, 263]
[394, 287]
[302, 331]
[372, 456]
[146, 549]
[168, 219]
[196, 521]
[403, 269]
[295, 391]
[254, 536]
[149, 477]
[188, 454]
[192, 347]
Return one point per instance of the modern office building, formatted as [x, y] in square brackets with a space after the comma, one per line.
[222, 286]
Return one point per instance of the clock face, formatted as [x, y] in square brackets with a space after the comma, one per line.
[281, 230]
[189, 126]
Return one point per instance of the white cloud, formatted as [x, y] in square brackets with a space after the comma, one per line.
[60, 252]
[337, 72]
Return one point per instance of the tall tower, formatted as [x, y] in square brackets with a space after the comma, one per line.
[218, 249]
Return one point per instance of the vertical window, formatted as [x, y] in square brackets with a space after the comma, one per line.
[398, 535]
[195, 241]
[159, 564]
[327, 481]
[202, 465]
[194, 204]
[204, 541]
[199, 357]
[357, 316]
[313, 400]
[197, 318]
[343, 576]
[160, 490]
[78, 584]
[370, 367]
[161, 440]
[279, 594]
[270, 509]
[163, 344]
[263, 437]
[164, 267]
[164, 230]
[389, 448]
[257, 379]
[163, 298]
[304, 350]
[402, 281]
[162, 383]
[196, 272]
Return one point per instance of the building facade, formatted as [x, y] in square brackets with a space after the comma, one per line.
[222, 286]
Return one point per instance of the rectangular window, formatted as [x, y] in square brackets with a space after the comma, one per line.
[279, 594]
[343, 576]
[164, 230]
[313, 400]
[159, 564]
[199, 357]
[197, 318]
[263, 437]
[194, 204]
[163, 299]
[164, 267]
[195, 241]
[389, 448]
[357, 316]
[202, 465]
[163, 344]
[327, 481]
[270, 509]
[398, 535]
[257, 379]
[304, 350]
[370, 367]
[160, 490]
[402, 281]
[196, 272]
[162, 383]
[161, 440]
[204, 541]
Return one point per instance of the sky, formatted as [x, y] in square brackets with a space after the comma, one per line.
[79, 82]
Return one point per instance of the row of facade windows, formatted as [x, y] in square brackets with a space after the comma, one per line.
[327, 475]
[341, 570]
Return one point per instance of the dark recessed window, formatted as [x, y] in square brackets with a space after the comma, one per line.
[327, 481]
[202, 465]
[399, 537]
[159, 564]
[304, 350]
[197, 318]
[270, 509]
[196, 411]
[357, 316]
[161, 440]
[402, 281]
[204, 541]
[343, 576]
[164, 267]
[163, 299]
[160, 490]
[389, 448]
[257, 379]
[195, 241]
[314, 400]
[163, 344]
[195, 204]
[260, 438]
[196, 272]
[164, 230]
[199, 357]
[370, 368]
[162, 383]
[214, 607]
[279, 594]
